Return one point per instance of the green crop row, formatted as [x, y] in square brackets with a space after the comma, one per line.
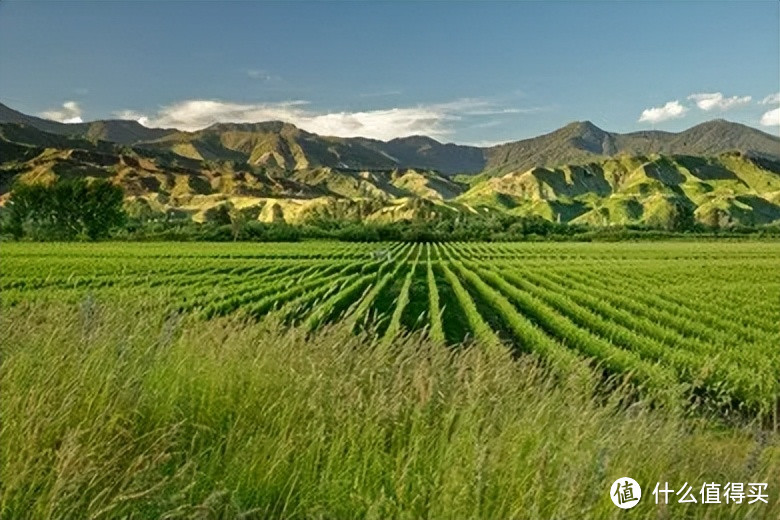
[672, 318]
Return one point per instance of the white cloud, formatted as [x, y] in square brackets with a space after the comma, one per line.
[771, 118]
[715, 100]
[434, 120]
[133, 115]
[381, 124]
[69, 113]
[671, 110]
[771, 99]
[485, 144]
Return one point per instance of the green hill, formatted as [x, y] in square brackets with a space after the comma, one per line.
[731, 188]
[284, 146]
[162, 182]
[115, 130]
[583, 142]
[717, 173]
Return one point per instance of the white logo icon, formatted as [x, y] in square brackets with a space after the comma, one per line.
[625, 492]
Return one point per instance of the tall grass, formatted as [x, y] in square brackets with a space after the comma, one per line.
[128, 411]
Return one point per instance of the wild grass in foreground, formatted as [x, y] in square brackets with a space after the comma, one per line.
[125, 411]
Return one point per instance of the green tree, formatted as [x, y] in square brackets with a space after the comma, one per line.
[65, 210]
[237, 221]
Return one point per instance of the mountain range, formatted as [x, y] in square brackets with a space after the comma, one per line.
[727, 173]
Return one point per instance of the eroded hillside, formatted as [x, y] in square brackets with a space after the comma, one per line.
[275, 171]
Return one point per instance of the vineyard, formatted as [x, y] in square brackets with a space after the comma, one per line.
[678, 319]
[395, 380]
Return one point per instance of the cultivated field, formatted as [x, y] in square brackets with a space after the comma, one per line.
[697, 319]
[177, 380]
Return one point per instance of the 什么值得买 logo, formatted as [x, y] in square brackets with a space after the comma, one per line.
[625, 492]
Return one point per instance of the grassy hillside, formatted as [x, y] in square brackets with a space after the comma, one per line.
[273, 144]
[282, 145]
[115, 130]
[162, 182]
[583, 142]
[425, 153]
[727, 189]
[277, 172]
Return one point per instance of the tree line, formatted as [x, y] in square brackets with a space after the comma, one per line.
[78, 209]
[64, 210]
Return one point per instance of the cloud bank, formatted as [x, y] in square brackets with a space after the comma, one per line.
[771, 118]
[706, 101]
[69, 113]
[716, 100]
[671, 110]
[433, 120]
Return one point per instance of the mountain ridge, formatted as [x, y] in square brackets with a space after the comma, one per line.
[275, 171]
[291, 147]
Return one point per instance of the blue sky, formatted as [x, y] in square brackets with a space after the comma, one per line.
[463, 72]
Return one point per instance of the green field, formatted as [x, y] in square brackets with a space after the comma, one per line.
[324, 379]
[696, 318]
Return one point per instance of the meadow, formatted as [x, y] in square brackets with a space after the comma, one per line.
[341, 380]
